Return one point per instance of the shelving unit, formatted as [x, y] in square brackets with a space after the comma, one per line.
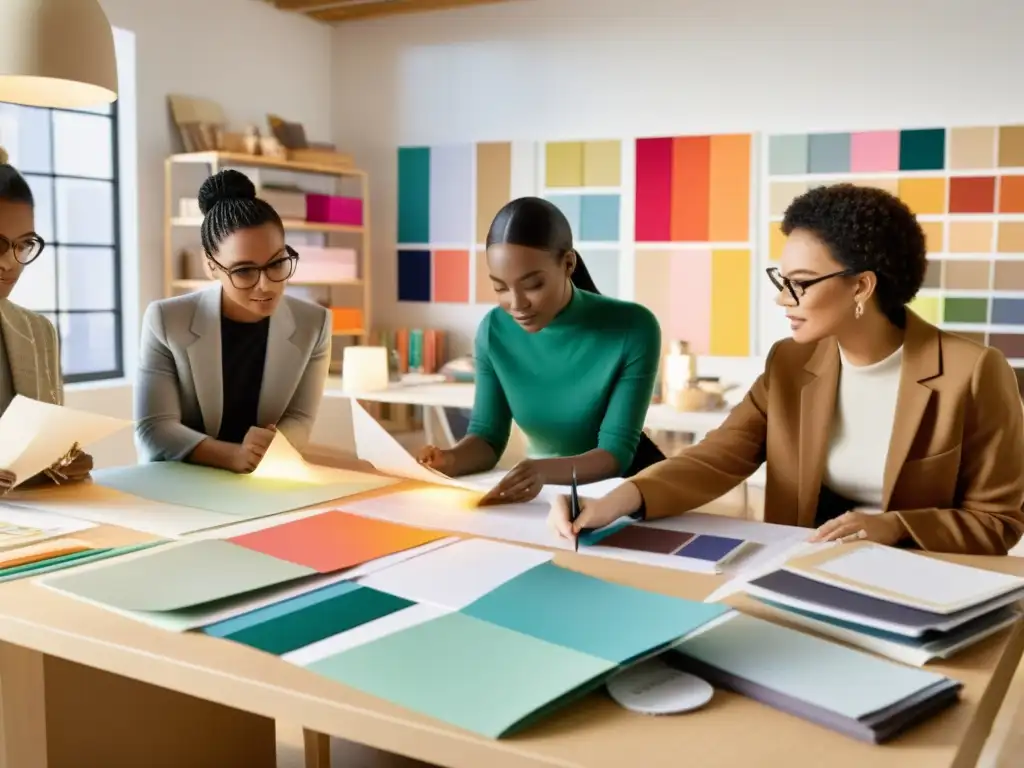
[337, 234]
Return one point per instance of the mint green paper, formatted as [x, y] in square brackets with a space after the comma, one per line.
[466, 672]
[610, 621]
[217, 490]
[68, 561]
[180, 576]
[822, 673]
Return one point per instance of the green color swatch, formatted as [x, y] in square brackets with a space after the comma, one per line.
[174, 577]
[67, 561]
[923, 150]
[309, 618]
[965, 310]
[414, 195]
[593, 616]
[466, 672]
[217, 490]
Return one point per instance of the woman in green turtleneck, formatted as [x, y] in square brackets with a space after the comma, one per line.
[574, 369]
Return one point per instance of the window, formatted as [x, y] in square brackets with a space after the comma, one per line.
[70, 159]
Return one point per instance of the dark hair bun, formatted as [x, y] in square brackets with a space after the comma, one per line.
[226, 185]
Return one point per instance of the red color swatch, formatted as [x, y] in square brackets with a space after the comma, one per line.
[972, 194]
[335, 540]
[691, 188]
[654, 190]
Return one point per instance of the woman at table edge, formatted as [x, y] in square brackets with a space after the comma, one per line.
[573, 368]
[29, 347]
[875, 424]
[223, 369]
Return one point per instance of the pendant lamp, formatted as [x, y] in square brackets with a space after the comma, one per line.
[56, 53]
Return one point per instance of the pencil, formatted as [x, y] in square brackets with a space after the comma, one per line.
[574, 508]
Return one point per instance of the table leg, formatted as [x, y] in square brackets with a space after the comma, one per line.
[318, 749]
[58, 714]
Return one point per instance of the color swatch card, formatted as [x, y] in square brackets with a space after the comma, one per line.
[840, 688]
[707, 551]
[34, 435]
[239, 496]
[19, 527]
[333, 541]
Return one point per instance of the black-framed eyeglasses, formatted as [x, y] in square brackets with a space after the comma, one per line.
[26, 249]
[277, 271]
[797, 288]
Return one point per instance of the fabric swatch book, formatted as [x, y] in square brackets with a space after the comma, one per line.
[846, 690]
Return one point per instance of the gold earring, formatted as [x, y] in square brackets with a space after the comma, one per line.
[858, 311]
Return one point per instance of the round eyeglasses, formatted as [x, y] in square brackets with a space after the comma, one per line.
[277, 271]
[797, 288]
[26, 249]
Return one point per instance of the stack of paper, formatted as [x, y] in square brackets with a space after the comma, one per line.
[841, 688]
[900, 604]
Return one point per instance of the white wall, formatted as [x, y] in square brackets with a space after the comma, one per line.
[576, 69]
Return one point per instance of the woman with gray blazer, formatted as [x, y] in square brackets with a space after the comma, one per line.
[222, 369]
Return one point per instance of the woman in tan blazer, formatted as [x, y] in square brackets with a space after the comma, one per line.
[29, 355]
[874, 424]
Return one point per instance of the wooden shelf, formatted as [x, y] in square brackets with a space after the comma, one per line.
[259, 161]
[290, 225]
[349, 332]
[201, 283]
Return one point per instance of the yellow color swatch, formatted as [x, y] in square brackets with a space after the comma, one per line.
[493, 183]
[924, 195]
[1011, 237]
[602, 164]
[934, 236]
[927, 308]
[970, 237]
[563, 164]
[782, 193]
[776, 241]
[889, 185]
[730, 303]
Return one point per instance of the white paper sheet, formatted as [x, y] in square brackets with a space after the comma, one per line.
[282, 461]
[19, 527]
[375, 445]
[86, 501]
[366, 633]
[916, 580]
[455, 576]
[34, 435]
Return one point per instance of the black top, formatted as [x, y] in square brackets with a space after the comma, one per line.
[243, 354]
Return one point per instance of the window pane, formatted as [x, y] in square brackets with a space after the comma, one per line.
[88, 343]
[42, 191]
[99, 109]
[86, 278]
[85, 212]
[25, 134]
[82, 145]
[37, 286]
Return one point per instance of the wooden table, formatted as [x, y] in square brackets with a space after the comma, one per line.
[81, 687]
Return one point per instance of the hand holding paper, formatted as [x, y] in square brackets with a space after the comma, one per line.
[34, 436]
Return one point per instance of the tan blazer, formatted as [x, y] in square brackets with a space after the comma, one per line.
[955, 466]
[30, 344]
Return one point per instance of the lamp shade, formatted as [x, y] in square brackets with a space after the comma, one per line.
[56, 53]
[364, 369]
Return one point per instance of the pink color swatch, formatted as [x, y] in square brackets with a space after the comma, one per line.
[875, 151]
[654, 190]
[690, 299]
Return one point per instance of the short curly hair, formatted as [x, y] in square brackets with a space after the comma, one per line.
[868, 230]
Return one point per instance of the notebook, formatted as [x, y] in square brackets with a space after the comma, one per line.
[843, 689]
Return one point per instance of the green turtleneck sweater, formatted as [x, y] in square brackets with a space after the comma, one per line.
[583, 382]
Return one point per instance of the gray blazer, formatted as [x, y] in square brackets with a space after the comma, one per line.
[179, 394]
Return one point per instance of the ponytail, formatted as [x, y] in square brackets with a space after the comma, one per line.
[581, 276]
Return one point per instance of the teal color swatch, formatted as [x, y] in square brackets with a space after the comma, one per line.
[466, 672]
[307, 619]
[822, 673]
[599, 219]
[217, 490]
[593, 616]
[572, 207]
[67, 561]
[923, 150]
[414, 195]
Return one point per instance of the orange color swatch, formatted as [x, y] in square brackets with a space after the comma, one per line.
[691, 181]
[335, 540]
[451, 277]
[43, 551]
[729, 197]
[1011, 194]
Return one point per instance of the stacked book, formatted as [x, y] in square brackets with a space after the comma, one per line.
[907, 606]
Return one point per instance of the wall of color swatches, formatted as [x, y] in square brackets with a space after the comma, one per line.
[966, 186]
